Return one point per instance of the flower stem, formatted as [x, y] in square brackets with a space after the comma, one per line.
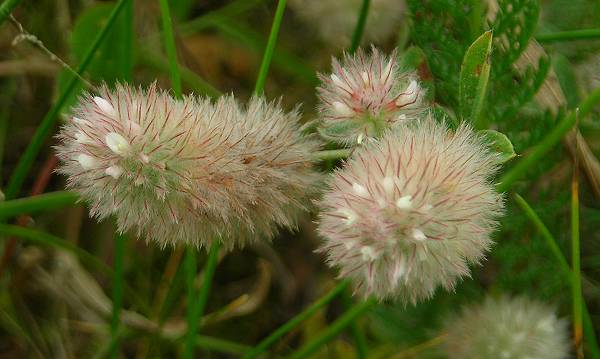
[26, 161]
[360, 25]
[569, 35]
[42, 202]
[331, 154]
[196, 304]
[334, 329]
[170, 47]
[267, 57]
[576, 263]
[551, 139]
[295, 321]
[588, 332]
[117, 293]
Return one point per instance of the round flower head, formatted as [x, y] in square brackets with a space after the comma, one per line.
[188, 170]
[366, 95]
[507, 328]
[409, 212]
[335, 20]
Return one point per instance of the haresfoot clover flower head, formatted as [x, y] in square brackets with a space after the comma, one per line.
[188, 171]
[366, 95]
[410, 212]
[507, 328]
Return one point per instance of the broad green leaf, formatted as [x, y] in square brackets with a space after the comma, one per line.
[500, 144]
[474, 76]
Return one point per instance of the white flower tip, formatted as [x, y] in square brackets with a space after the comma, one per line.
[365, 78]
[360, 138]
[114, 171]
[104, 106]
[350, 215]
[144, 157]
[79, 121]
[342, 109]
[368, 254]
[404, 202]
[82, 138]
[86, 161]
[418, 235]
[388, 185]
[117, 143]
[360, 190]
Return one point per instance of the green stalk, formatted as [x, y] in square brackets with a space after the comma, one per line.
[26, 161]
[129, 39]
[33, 204]
[6, 8]
[221, 345]
[360, 26]
[117, 293]
[588, 327]
[334, 329]
[576, 263]
[569, 35]
[331, 154]
[539, 151]
[196, 309]
[295, 321]
[170, 48]
[268, 56]
[359, 339]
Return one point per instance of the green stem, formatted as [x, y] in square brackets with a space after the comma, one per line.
[129, 39]
[359, 339]
[117, 293]
[569, 35]
[221, 345]
[331, 154]
[360, 25]
[196, 309]
[576, 263]
[170, 47]
[295, 321]
[6, 8]
[334, 329]
[551, 139]
[589, 332]
[26, 161]
[42, 202]
[268, 56]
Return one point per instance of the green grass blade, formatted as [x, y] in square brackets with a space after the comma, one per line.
[26, 161]
[359, 29]
[169, 40]
[117, 293]
[333, 330]
[551, 139]
[33, 204]
[295, 321]
[582, 34]
[6, 8]
[588, 327]
[268, 55]
[221, 345]
[576, 263]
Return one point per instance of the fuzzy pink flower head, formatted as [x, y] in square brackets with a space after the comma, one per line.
[188, 171]
[410, 212]
[366, 95]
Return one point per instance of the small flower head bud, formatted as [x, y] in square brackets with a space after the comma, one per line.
[410, 212]
[365, 96]
[188, 171]
[507, 328]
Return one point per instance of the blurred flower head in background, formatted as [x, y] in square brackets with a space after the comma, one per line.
[410, 212]
[365, 95]
[335, 20]
[188, 171]
[515, 328]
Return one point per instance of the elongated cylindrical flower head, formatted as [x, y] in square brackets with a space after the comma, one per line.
[366, 95]
[334, 20]
[188, 171]
[408, 213]
[511, 328]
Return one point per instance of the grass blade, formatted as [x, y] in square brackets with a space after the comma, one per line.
[33, 204]
[569, 35]
[268, 55]
[576, 262]
[295, 321]
[26, 161]
[360, 25]
[334, 329]
[170, 47]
